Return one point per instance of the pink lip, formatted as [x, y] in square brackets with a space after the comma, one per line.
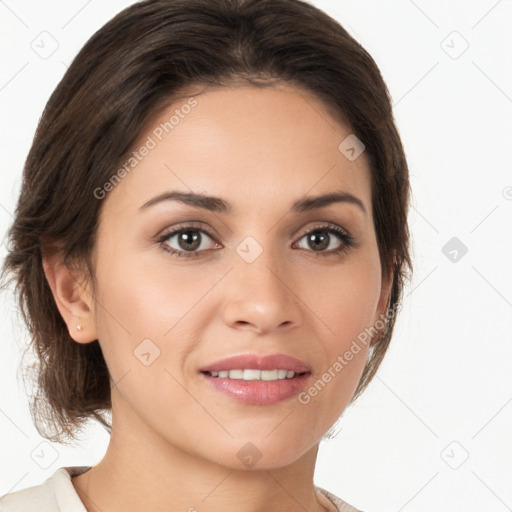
[248, 361]
[257, 392]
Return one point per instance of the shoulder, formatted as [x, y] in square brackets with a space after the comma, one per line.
[40, 497]
[341, 505]
[56, 494]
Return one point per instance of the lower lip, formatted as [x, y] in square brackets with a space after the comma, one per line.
[259, 392]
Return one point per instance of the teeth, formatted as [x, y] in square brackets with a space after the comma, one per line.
[250, 374]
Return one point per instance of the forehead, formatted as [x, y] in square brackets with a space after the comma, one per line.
[257, 147]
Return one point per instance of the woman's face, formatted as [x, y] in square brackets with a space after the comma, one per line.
[255, 283]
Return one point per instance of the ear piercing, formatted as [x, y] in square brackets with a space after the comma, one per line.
[78, 327]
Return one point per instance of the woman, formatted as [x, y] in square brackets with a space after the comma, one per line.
[210, 244]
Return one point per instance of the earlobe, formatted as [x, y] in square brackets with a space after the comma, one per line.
[72, 297]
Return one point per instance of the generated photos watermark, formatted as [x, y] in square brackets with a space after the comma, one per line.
[342, 360]
[151, 142]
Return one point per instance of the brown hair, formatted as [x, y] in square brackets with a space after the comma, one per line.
[135, 65]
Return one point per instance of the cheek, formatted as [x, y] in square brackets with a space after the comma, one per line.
[344, 302]
[344, 298]
[147, 307]
[144, 330]
[144, 296]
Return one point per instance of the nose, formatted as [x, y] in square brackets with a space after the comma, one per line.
[260, 295]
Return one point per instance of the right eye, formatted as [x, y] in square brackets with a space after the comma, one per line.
[189, 240]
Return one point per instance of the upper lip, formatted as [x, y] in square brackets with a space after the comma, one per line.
[258, 362]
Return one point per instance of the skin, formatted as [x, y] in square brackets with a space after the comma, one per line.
[174, 440]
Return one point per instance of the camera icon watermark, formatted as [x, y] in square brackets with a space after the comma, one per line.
[454, 455]
[249, 454]
[146, 352]
[507, 193]
[44, 44]
[44, 455]
[351, 147]
[454, 249]
[454, 45]
[249, 249]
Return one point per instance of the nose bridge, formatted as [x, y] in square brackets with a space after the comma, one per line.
[261, 266]
[260, 293]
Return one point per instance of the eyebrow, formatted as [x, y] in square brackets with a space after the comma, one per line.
[216, 204]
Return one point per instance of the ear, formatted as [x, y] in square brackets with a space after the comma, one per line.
[383, 304]
[73, 297]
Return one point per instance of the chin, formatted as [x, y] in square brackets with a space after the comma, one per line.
[262, 454]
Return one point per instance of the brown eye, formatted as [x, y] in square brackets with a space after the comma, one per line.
[327, 239]
[186, 240]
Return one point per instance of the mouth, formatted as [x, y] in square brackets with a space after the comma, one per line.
[254, 363]
[252, 374]
[258, 380]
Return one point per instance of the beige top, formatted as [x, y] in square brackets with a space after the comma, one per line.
[57, 494]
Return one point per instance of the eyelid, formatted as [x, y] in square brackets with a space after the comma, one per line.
[167, 232]
[201, 226]
[322, 225]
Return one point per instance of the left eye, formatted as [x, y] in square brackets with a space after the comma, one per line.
[322, 239]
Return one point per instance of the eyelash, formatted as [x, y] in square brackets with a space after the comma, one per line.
[347, 240]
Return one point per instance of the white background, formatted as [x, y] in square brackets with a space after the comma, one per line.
[444, 391]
